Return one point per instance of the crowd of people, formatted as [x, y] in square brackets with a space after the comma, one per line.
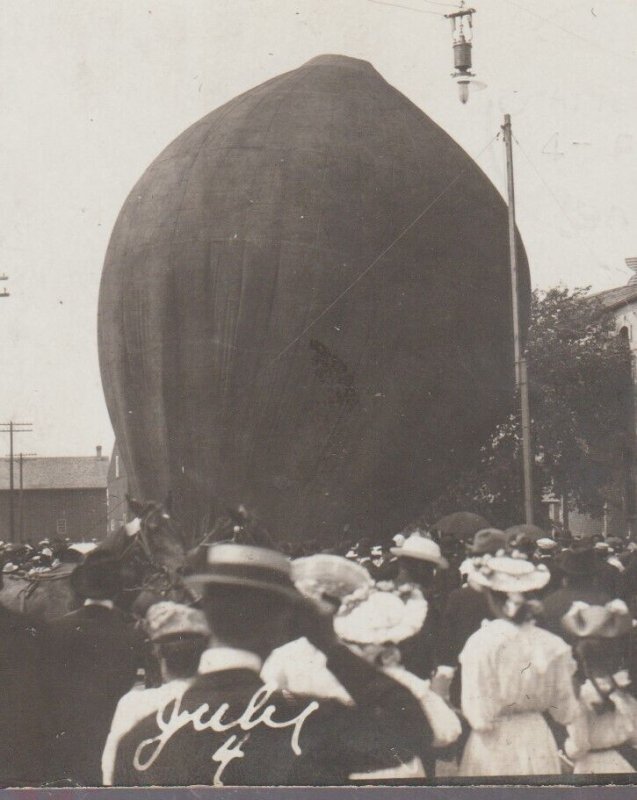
[419, 659]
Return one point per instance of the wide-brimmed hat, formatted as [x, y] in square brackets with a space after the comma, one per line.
[604, 622]
[510, 575]
[488, 540]
[421, 548]
[98, 577]
[326, 575]
[381, 615]
[168, 621]
[244, 565]
[578, 562]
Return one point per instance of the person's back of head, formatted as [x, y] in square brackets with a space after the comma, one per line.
[180, 658]
[245, 618]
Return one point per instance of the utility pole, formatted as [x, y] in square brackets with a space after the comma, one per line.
[521, 377]
[12, 428]
[21, 457]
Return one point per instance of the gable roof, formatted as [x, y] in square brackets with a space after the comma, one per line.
[616, 298]
[66, 472]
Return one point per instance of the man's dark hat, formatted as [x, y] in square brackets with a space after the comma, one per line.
[578, 562]
[241, 565]
[98, 577]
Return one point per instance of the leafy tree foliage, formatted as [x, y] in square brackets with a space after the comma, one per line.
[582, 417]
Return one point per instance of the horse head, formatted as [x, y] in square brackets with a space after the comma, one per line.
[156, 553]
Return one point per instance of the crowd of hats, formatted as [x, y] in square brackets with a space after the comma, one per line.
[32, 560]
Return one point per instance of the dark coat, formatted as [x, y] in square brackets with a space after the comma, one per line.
[463, 615]
[466, 609]
[384, 729]
[93, 655]
[24, 714]
[419, 653]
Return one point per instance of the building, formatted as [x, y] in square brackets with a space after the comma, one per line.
[58, 496]
[622, 301]
[117, 489]
[620, 517]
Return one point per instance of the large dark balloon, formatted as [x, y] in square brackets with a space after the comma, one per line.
[283, 204]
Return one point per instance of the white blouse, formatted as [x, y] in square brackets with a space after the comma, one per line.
[509, 669]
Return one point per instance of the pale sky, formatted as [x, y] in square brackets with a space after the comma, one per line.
[92, 90]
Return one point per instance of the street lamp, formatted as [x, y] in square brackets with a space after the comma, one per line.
[462, 32]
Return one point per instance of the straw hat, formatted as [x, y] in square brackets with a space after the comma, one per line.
[328, 575]
[604, 622]
[506, 574]
[421, 548]
[231, 564]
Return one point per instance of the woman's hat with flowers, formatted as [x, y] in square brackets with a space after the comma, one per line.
[508, 574]
[383, 614]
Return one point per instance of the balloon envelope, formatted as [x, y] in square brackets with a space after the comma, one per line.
[305, 308]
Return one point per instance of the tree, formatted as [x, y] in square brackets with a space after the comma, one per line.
[582, 417]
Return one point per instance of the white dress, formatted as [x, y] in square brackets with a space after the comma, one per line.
[593, 737]
[511, 674]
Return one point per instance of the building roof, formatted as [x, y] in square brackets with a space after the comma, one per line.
[66, 472]
[618, 297]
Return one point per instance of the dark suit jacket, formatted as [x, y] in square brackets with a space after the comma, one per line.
[384, 729]
[24, 714]
[465, 610]
[419, 653]
[93, 656]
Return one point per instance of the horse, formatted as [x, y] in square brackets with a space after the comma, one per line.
[152, 558]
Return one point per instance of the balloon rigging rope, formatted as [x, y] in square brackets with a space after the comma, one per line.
[381, 255]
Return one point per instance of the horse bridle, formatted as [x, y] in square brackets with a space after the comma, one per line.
[139, 539]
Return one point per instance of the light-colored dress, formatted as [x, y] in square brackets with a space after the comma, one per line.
[511, 674]
[593, 737]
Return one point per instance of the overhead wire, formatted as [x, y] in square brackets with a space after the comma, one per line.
[570, 32]
[407, 8]
[559, 204]
[382, 254]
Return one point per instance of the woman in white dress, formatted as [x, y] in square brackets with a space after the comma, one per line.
[603, 737]
[512, 673]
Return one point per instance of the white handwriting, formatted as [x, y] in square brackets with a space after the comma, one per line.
[257, 712]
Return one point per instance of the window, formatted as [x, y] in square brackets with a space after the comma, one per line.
[117, 466]
[60, 527]
[112, 525]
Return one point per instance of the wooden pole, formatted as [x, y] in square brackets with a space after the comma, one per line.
[521, 378]
[11, 487]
